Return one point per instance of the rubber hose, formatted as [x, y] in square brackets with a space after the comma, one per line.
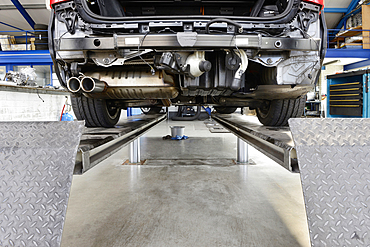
[222, 20]
[195, 117]
[179, 110]
[257, 8]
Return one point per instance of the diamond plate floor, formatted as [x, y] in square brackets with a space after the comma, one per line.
[36, 167]
[334, 160]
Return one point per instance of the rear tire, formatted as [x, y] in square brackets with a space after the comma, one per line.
[225, 109]
[279, 111]
[95, 112]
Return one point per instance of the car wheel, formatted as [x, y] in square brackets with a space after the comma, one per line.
[95, 112]
[278, 112]
[225, 109]
[151, 110]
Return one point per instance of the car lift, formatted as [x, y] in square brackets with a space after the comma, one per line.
[274, 142]
[37, 160]
[99, 143]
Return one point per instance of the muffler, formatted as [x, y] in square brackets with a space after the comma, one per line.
[74, 84]
[92, 85]
[130, 84]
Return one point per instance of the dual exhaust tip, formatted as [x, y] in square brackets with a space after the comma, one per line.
[86, 84]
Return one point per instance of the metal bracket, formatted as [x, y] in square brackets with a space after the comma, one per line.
[66, 13]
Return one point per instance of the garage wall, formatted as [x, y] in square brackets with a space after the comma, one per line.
[21, 104]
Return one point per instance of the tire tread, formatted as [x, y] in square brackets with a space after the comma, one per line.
[93, 111]
[280, 111]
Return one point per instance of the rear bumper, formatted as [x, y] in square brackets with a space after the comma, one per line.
[194, 40]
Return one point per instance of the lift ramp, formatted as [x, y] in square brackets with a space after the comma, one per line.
[99, 143]
[36, 168]
[334, 166]
[274, 142]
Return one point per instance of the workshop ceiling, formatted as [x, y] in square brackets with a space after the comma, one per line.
[39, 11]
[332, 19]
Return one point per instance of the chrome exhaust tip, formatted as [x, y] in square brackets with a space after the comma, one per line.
[74, 84]
[92, 85]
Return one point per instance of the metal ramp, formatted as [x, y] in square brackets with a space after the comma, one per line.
[37, 161]
[36, 168]
[99, 143]
[274, 142]
[334, 161]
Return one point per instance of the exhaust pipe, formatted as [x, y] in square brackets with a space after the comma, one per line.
[92, 85]
[74, 84]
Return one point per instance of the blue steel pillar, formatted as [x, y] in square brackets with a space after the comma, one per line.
[24, 13]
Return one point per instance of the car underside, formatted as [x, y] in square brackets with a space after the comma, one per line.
[262, 54]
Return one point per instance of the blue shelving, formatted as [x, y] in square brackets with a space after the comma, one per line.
[31, 58]
[35, 57]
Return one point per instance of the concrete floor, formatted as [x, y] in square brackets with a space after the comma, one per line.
[190, 193]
